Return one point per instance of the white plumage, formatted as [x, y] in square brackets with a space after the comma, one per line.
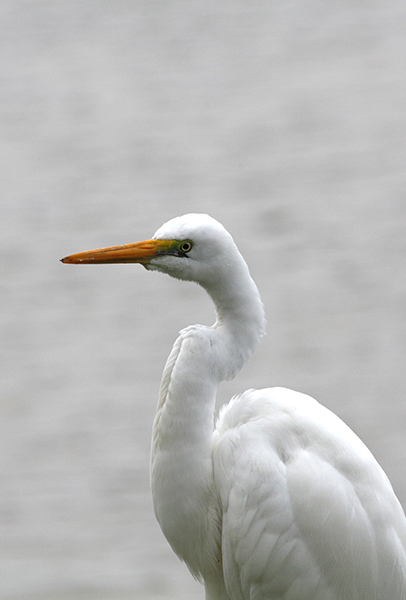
[280, 500]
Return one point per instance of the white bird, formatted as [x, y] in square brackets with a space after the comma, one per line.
[279, 500]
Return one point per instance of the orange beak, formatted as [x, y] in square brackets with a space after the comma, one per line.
[140, 252]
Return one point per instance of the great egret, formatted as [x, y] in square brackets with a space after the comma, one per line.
[280, 500]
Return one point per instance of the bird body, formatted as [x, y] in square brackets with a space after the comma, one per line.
[279, 500]
[309, 513]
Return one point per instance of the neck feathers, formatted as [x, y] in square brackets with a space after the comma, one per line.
[181, 458]
[240, 316]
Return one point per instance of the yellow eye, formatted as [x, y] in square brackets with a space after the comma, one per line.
[185, 246]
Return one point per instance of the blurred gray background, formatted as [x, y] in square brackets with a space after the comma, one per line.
[283, 119]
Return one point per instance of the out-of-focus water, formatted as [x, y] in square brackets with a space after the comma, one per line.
[284, 120]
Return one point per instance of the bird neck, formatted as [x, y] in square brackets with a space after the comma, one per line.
[240, 318]
[240, 325]
[181, 459]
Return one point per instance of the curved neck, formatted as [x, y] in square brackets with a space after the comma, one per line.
[181, 458]
[240, 319]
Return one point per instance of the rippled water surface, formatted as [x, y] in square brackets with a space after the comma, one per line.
[285, 121]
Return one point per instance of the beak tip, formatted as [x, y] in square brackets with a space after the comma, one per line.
[68, 260]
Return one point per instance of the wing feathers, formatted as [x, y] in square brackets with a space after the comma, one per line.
[302, 500]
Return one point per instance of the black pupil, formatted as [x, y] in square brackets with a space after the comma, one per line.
[186, 246]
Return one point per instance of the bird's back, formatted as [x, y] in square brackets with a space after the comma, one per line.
[307, 512]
